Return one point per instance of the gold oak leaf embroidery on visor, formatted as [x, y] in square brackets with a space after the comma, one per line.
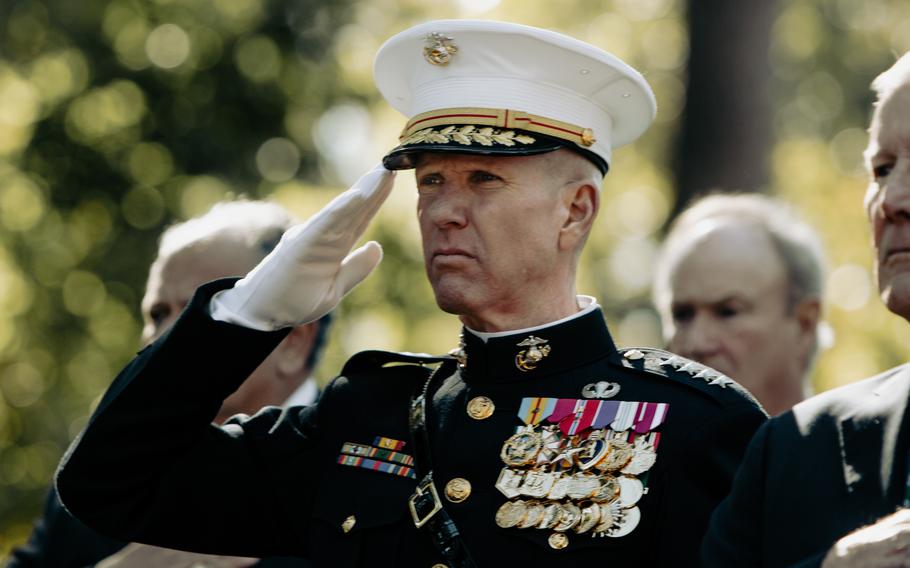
[468, 135]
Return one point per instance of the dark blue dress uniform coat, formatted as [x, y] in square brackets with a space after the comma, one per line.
[150, 467]
[833, 464]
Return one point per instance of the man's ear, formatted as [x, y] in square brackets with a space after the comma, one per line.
[581, 201]
[292, 354]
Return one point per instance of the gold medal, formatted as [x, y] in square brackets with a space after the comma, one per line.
[631, 490]
[560, 487]
[533, 514]
[570, 517]
[521, 448]
[626, 523]
[617, 457]
[608, 491]
[590, 517]
[583, 486]
[552, 512]
[510, 514]
[509, 482]
[538, 483]
[642, 460]
[592, 451]
[608, 515]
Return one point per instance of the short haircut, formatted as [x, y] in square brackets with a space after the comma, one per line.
[257, 225]
[796, 243]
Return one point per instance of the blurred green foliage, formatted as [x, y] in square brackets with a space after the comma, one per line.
[118, 117]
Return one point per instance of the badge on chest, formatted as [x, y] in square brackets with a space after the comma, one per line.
[579, 466]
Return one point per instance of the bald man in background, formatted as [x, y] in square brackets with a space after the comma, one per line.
[739, 287]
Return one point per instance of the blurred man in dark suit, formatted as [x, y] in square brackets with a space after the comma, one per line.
[838, 461]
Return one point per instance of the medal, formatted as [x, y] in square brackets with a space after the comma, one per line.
[538, 483]
[630, 490]
[627, 522]
[590, 517]
[593, 450]
[552, 512]
[510, 514]
[521, 448]
[571, 515]
[509, 482]
[608, 491]
[533, 514]
[619, 454]
[560, 488]
[643, 458]
[608, 515]
[583, 486]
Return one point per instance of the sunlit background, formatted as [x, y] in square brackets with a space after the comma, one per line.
[119, 117]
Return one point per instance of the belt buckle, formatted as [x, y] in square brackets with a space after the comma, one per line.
[425, 491]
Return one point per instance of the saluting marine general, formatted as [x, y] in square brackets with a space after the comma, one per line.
[535, 441]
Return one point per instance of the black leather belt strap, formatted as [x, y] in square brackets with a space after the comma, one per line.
[426, 507]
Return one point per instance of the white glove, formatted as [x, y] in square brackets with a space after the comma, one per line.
[312, 267]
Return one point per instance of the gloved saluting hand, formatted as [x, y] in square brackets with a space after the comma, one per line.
[312, 267]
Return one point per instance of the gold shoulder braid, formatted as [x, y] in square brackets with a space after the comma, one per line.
[468, 135]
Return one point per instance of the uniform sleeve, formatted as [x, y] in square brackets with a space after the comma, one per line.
[151, 468]
[702, 478]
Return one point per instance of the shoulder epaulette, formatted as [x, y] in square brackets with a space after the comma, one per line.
[678, 368]
[367, 360]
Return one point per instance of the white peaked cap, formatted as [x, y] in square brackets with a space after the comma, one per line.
[512, 83]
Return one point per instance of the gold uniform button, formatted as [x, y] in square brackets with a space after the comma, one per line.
[349, 523]
[480, 407]
[440, 566]
[558, 541]
[458, 489]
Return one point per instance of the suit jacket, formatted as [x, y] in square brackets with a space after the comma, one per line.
[836, 462]
[331, 482]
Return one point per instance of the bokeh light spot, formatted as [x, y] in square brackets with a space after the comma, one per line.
[167, 46]
[200, 193]
[849, 287]
[143, 207]
[278, 159]
[83, 292]
[22, 384]
[22, 204]
[150, 163]
[258, 59]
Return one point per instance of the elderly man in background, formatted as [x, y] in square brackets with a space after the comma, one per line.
[839, 461]
[228, 240]
[739, 287]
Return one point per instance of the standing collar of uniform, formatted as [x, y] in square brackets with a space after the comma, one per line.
[585, 303]
[570, 343]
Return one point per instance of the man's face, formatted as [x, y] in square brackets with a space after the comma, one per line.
[490, 229]
[728, 309]
[172, 281]
[888, 198]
